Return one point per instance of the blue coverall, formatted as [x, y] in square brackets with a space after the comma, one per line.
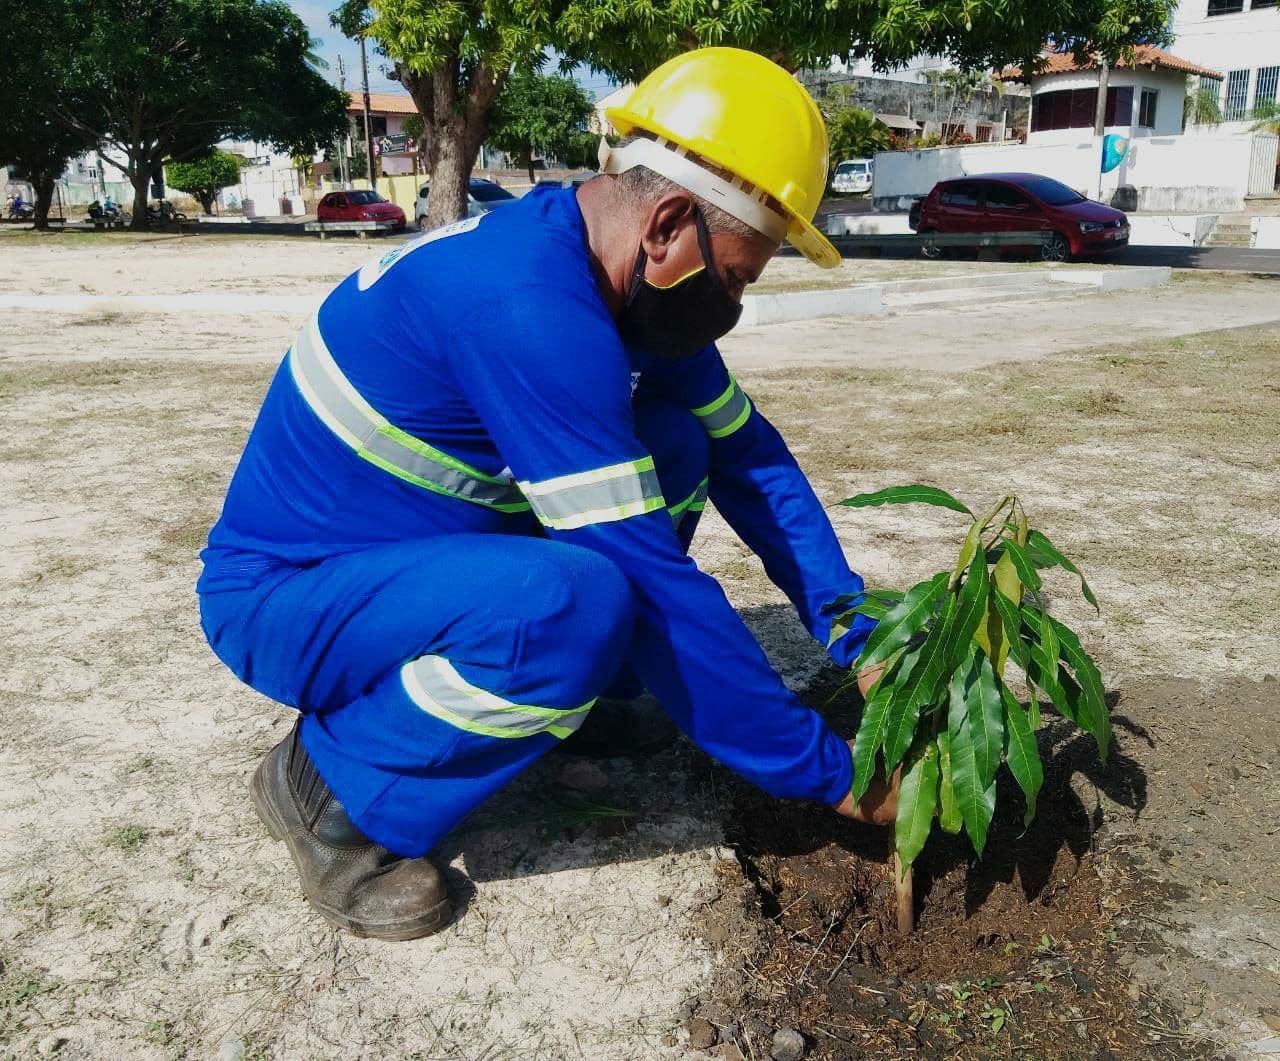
[377, 567]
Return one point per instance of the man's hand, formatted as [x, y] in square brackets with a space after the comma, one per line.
[879, 806]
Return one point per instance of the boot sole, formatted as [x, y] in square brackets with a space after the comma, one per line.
[432, 921]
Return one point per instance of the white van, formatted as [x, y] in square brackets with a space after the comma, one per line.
[853, 176]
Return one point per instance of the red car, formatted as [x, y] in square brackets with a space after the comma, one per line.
[359, 206]
[1022, 202]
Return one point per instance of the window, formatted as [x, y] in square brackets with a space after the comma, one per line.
[378, 125]
[1225, 7]
[364, 198]
[1147, 108]
[964, 194]
[1237, 96]
[1052, 192]
[1263, 3]
[1002, 197]
[1077, 108]
[1268, 85]
[483, 191]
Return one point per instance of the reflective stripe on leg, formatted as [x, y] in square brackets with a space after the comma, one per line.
[695, 502]
[435, 686]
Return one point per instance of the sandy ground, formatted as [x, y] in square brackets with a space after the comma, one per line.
[144, 913]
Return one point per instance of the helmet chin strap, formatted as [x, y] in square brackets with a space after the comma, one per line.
[736, 198]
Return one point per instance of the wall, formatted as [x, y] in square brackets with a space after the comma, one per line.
[917, 100]
[1175, 174]
[1171, 87]
[1249, 40]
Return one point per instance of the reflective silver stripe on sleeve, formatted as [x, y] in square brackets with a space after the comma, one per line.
[602, 495]
[727, 413]
[435, 686]
[375, 439]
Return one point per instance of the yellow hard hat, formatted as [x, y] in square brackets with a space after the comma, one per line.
[746, 115]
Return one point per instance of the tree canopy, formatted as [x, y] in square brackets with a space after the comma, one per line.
[546, 114]
[455, 55]
[151, 80]
[852, 131]
[204, 175]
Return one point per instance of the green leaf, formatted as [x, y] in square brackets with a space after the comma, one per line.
[972, 539]
[887, 692]
[917, 800]
[986, 725]
[948, 808]
[902, 622]
[1086, 703]
[915, 494]
[1045, 554]
[977, 803]
[1023, 565]
[918, 689]
[971, 608]
[1011, 620]
[1021, 752]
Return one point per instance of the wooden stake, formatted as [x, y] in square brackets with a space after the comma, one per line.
[904, 888]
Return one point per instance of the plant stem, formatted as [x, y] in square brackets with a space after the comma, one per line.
[904, 888]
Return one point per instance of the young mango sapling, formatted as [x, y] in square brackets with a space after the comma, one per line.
[942, 710]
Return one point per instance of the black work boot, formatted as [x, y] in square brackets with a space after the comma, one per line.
[615, 729]
[353, 882]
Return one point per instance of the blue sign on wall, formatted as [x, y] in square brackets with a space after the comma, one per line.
[1114, 148]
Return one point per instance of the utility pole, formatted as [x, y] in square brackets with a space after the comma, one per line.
[368, 129]
[343, 176]
[1100, 116]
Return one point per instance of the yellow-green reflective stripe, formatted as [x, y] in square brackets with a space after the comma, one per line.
[695, 502]
[348, 415]
[600, 495]
[435, 686]
[727, 413]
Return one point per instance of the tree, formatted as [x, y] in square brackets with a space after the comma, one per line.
[204, 176]
[455, 55]
[1265, 117]
[1200, 105]
[156, 80]
[542, 114]
[852, 131]
[29, 141]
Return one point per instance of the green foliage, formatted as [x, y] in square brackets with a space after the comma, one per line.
[204, 175]
[1200, 105]
[944, 708]
[166, 79]
[1265, 117]
[852, 131]
[542, 114]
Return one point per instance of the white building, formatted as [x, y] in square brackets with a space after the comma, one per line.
[1144, 95]
[1239, 37]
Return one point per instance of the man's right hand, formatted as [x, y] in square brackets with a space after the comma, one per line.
[879, 806]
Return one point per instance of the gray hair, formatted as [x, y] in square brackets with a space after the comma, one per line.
[644, 184]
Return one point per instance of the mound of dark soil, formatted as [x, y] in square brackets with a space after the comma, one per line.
[1015, 954]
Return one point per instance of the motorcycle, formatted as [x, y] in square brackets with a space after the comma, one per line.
[20, 211]
[165, 211]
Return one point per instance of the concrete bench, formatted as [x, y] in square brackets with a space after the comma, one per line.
[360, 228]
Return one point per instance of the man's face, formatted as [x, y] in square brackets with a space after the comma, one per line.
[671, 243]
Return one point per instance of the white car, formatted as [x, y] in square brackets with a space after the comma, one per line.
[482, 196]
[853, 176]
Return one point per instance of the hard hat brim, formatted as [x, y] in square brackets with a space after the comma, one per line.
[812, 243]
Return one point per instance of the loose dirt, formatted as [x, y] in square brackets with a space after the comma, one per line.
[143, 912]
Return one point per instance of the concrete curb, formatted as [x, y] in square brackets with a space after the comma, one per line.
[1131, 278]
[862, 300]
[238, 304]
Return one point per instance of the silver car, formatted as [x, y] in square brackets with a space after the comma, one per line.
[853, 176]
[482, 196]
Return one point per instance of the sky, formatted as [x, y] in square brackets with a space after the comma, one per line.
[315, 13]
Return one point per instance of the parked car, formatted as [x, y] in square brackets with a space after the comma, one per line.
[853, 176]
[1022, 202]
[359, 205]
[482, 196]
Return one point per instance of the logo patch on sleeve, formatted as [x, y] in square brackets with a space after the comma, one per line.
[373, 271]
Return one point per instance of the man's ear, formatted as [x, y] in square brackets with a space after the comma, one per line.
[668, 218]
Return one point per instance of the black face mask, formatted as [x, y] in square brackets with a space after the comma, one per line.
[678, 321]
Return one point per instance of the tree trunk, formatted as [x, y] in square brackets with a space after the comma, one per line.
[140, 178]
[455, 121]
[206, 202]
[528, 160]
[43, 185]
